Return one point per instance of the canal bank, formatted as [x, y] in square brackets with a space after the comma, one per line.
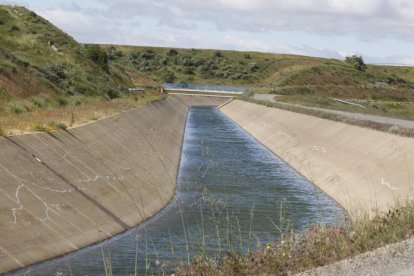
[64, 190]
[362, 169]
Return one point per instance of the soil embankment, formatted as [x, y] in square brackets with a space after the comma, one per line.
[64, 190]
[362, 169]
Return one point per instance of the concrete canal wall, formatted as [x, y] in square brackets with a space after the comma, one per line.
[64, 190]
[362, 169]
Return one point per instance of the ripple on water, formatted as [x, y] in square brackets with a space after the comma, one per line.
[231, 193]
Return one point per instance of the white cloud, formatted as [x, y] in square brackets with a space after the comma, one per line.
[314, 27]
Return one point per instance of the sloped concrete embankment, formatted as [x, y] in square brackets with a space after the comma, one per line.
[362, 169]
[64, 190]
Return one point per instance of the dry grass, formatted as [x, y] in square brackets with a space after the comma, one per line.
[52, 118]
[317, 246]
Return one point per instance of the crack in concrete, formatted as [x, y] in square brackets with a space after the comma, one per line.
[23, 184]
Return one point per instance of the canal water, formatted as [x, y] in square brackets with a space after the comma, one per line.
[233, 194]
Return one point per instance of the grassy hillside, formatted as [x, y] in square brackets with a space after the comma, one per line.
[49, 79]
[304, 80]
[265, 72]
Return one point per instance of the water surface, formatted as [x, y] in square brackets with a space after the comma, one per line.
[232, 195]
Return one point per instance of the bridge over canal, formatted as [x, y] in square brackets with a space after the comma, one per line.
[224, 91]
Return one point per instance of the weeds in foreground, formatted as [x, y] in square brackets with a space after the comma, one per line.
[317, 246]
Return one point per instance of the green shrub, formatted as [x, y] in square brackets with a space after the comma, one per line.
[189, 71]
[112, 94]
[38, 102]
[114, 54]
[357, 62]
[98, 55]
[2, 131]
[14, 28]
[62, 102]
[172, 52]
[58, 70]
[216, 54]
[16, 108]
[147, 54]
[169, 76]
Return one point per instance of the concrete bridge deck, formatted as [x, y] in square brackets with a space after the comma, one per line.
[203, 90]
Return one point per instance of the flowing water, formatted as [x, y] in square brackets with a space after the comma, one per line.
[233, 194]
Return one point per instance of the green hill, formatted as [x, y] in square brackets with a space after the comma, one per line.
[48, 80]
[265, 72]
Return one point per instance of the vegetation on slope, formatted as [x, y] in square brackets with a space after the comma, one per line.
[45, 75]
[304, 80]
[317, 246]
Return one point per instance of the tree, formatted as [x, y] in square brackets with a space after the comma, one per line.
[357, 62]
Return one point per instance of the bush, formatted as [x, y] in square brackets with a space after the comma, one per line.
[98, 55]
[14, 28]
[169, 76]
[189, 71]
[394, 130]
[147, 54]
[395, 80]
[172, 52]
[62, 102]
[112, 94]
[253, 67]
[15, 108]
[217, 54]
[113, 53]
[2, 131]
[39, 103]
[357, 62]
[58, 70]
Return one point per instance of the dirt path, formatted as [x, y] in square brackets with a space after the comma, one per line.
[357, 116]
[395, 259]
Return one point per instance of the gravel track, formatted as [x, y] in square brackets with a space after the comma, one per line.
[358, 116]
[394, 259]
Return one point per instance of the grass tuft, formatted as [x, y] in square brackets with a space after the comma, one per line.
[40, 128]
[317, 246]
[57, 125]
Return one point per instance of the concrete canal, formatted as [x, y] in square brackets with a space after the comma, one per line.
[233, 194]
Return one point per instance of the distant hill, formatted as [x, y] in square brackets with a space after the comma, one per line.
[265, 72]
[41, 67]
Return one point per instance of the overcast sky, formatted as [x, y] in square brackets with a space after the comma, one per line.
[382, 31]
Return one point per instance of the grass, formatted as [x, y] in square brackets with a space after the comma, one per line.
[316, 246]
[70, 115]
[34, 77]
